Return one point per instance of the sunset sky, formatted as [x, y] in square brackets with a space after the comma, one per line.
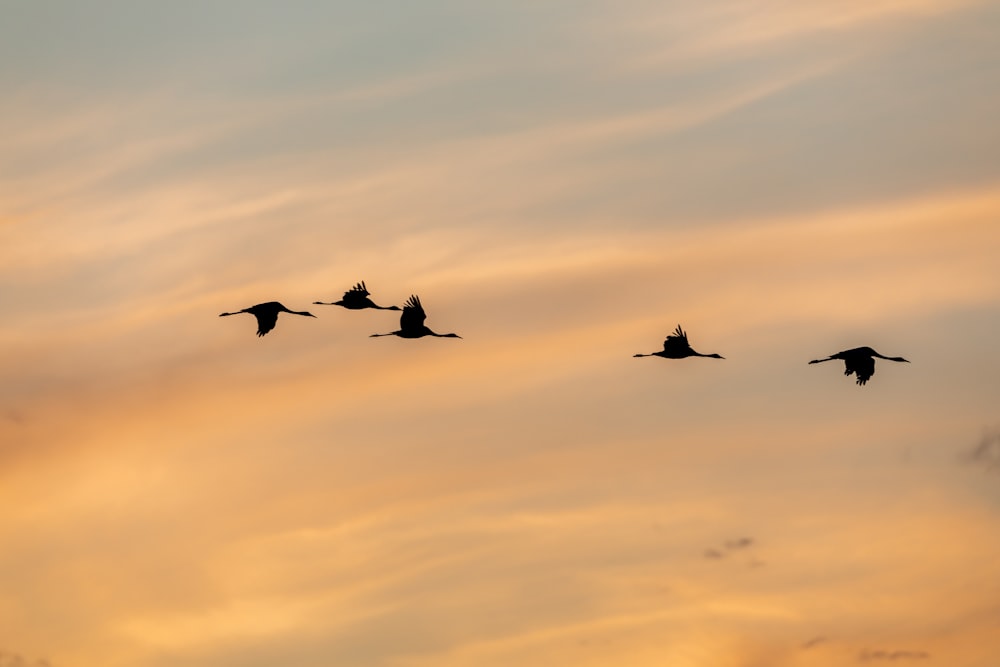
[562, 182]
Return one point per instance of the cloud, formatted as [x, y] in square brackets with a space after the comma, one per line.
[14, 416]
[813, 643]
[880, 654]
[663, 37]
[731, 545]
[987, 452]
[8, 659]
[741, 543]
[322, 492]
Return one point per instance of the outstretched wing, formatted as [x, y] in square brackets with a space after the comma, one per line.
[357, 291]
[413, 314]
[675, 341]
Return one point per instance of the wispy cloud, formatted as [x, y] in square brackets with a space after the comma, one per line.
[750, 26]
[731, 547]
[881, 654]
[561, 184]
[8, 659]
[737, 544]
[740, 543]
[987, 452]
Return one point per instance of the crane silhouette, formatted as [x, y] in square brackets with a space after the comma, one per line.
[676, 347]
[266, 314]
[356, 298]
[411, 322]
[860, 360]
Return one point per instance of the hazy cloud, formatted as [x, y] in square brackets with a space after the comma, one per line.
[987, 452]
[813, 643]
[14, 416]
[741, 543]
[879, 654]
[558, 181]
[737, 544]
[8, 659]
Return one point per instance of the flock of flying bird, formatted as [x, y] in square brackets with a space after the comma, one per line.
[411, 322]
[859, 361]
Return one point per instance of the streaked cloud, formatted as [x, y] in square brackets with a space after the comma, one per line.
[748, 27]
[881, 654]
[562, 185]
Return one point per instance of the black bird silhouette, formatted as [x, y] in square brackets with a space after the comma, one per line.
[411, 323]
[356, 298]
[860, 360]
[676, 347]
[266, 314]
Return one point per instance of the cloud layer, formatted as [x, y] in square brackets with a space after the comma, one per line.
[562, 185]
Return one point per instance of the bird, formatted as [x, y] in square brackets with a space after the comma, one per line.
[267, 315]
[411, 322]
[860, 360]
[356, 298]
[676, 347]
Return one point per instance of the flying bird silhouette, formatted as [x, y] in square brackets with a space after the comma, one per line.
[266, 314]
[676, 347]
[411, 323]
[860, 360]
[356, 298]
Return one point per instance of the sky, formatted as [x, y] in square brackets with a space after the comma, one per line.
[562, 183]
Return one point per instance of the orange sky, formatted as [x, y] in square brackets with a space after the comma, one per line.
[562, 184]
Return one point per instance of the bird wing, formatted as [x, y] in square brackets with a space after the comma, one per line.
[413, 314]
[678, 339]
[863, 367]
[358, 290]
[266, 319]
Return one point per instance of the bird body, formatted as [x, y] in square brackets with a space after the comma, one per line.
[267, 315]
[860, 361]
[676, 347]
[356, 298]
[411, 322]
